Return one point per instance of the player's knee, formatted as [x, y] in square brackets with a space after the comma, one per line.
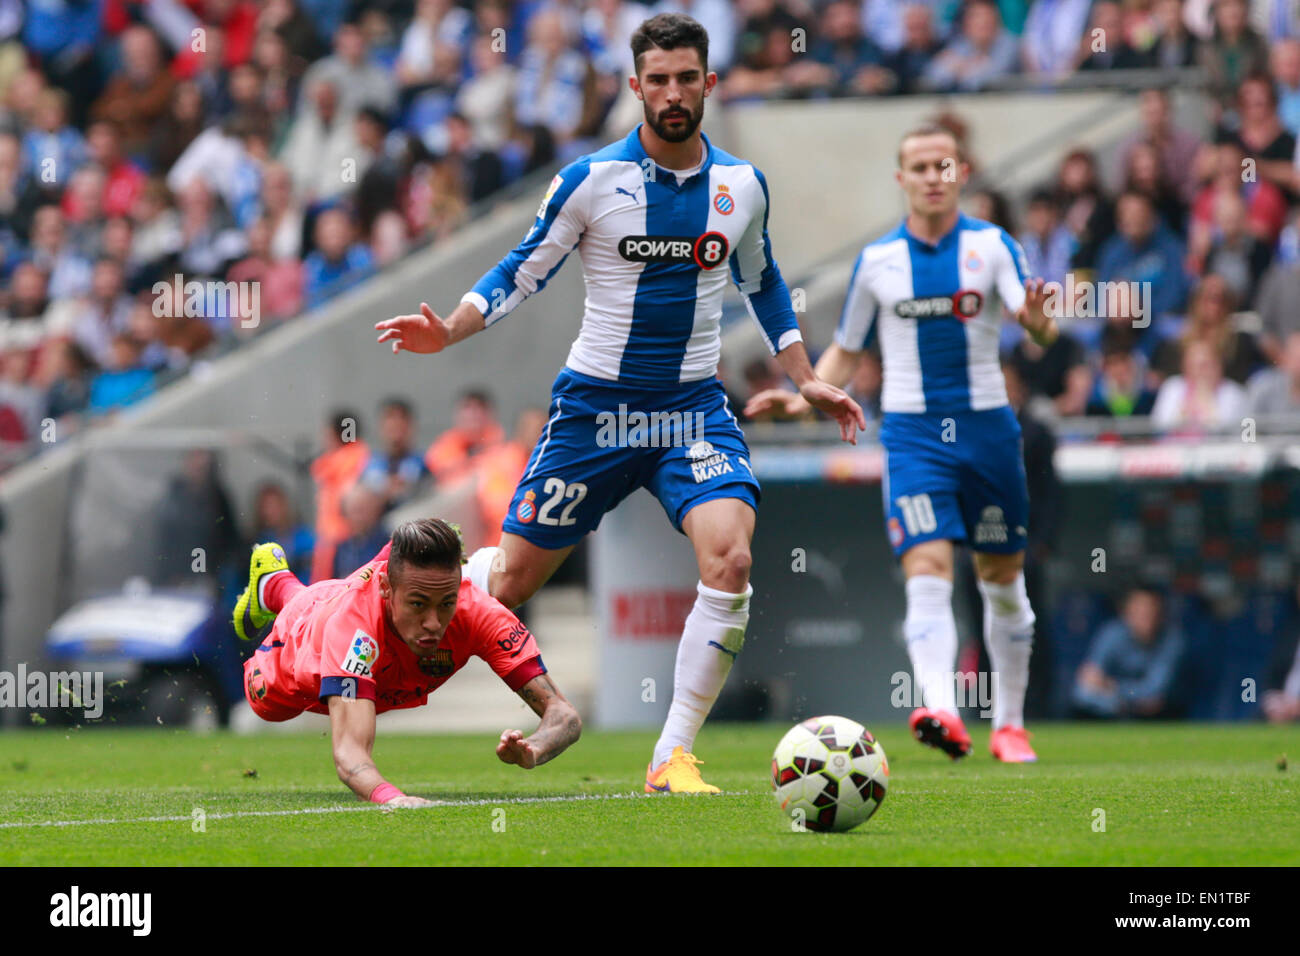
[1009, 601]
[511, 589]
[728, 569]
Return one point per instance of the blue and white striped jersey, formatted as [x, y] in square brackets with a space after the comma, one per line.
[654, 250]
[938, 312]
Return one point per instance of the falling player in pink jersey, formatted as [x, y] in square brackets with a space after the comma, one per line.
[385, 638]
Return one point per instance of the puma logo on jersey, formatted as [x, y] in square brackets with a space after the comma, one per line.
[630, 195]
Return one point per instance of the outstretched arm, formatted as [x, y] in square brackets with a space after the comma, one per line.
[427, 332]
[560, 726]
[821, 394]
[352, 727]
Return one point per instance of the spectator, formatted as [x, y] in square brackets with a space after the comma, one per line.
[279, 279]
[68, 271]
[395, 468]
[20, 402]
[1209, 320]
[283, 214]
[67, 392]
[321, 144]
[554, 89]
[1284, 66]
[290, 25]
[195, 512]
[1145, 251]
[339, 262]
[1200, 397]
[334, 472]
[124, 179]
[103, 315]
[843, 61]
[1265, 203]
[1059, 372]
[1047, 242]
[919, 46]
[64, 37]
[1174, 46]
[1104, 45]
[501, 466]
[763, 50]
[1176, 146]
[1144, 173]
[1234, 254]
[1233, 52]
[363, 511]
[474, 429]
[157, 242]
[430, 51]
[992, 206]
[210, 243]
[28, 299]
[388, 241]
[1279, 291]
[486, 99]
[274, 520]
[1085, 209]
[357, 81]
[1133, 662]
[180, 125]
[1261, 135]
[138, 95]
[718, 17]
[983, 53]
[480, 172]
[124, 379]
[1276, 391]
[1120, 389]
[1052, 37]
[52, 149]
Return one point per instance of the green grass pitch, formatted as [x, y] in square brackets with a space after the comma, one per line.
[1171, 794]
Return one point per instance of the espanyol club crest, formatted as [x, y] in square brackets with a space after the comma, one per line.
[723, 202]
[527, 511]
[895, 532]
[973, 262]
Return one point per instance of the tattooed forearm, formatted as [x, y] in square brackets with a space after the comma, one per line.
[560, 725]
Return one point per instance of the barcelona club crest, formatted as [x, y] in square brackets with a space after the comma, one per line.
[439, 664]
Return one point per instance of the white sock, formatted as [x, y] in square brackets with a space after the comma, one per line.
[1009, 636]
[713, 636]
[479, 567]
[931, 634]
[261, 585]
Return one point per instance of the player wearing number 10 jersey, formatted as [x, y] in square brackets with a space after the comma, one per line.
[662, 219]
[933, 291]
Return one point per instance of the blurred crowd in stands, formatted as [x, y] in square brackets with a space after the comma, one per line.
[304, 144]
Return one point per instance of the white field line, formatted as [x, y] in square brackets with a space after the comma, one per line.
[305, 811]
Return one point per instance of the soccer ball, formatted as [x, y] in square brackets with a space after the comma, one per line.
[829, 773]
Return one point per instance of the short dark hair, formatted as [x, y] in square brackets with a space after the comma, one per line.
[931, 129]
[669, 31]
[396, 404]
[480, 395]
[424, 543]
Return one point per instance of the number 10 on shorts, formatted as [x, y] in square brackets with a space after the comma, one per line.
[918, 514]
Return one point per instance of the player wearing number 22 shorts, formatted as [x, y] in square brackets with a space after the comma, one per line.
[663, 220]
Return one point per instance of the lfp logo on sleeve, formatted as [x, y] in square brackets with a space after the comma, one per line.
[361, 655]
